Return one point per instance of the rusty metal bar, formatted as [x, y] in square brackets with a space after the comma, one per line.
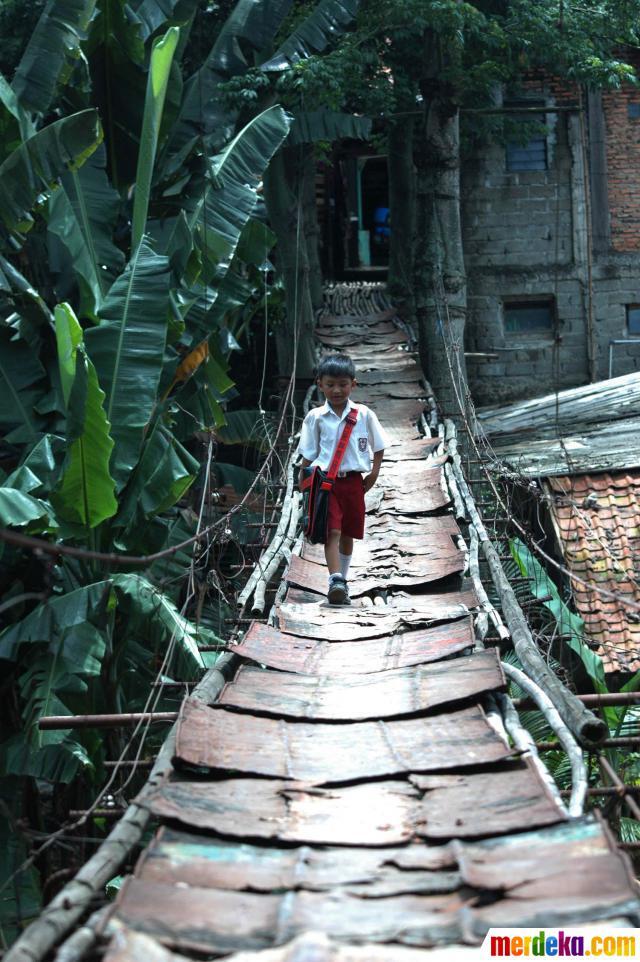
[608, 790]
[53, 722]
[620, 742]
[174, 684]
[129, 764]
[593, 701]
[615, 779]
[76, 813]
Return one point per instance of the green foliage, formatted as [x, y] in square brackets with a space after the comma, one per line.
[154, 240]
[37, 164]
[85, 494]
[127, 349]
[570, 625]
[45, 64]
[157, 80]
[82, 215]
[325, 22]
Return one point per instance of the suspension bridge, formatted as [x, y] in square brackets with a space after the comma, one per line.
[352, 784]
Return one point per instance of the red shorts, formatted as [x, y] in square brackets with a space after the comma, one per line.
[346, 506]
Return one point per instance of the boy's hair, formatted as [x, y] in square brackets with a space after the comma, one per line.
[336, 365]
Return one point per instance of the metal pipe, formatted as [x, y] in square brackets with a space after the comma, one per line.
[593, 701]
[608, 790]
[615, 779]
[56, 722]
[621, 742]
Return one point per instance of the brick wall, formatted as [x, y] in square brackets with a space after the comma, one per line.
[623, 166]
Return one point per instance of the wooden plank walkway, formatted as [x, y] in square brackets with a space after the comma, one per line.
[347, 788]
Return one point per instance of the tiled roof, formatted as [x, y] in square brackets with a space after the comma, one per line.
[597, 518]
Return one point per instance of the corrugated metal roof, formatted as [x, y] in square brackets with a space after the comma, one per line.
[597, 520]
[591, 428]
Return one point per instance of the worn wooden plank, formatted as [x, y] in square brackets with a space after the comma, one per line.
[404, 542]
[393, 693]
[317, 752]
[287, 652]
[379, 813]
[445, 560]
[183, 858]
[330, 623]
[223, 921]
[130, 946]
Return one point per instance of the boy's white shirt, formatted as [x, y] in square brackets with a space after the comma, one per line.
[322, 427]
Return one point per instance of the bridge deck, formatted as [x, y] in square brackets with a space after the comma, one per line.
[353, 787]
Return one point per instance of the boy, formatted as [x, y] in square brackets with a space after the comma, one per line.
[321, 429]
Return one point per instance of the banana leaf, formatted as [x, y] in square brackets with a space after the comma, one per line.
[221, 213]
[127, 349]
[42, 461]
[159, 69]
[21, 902]
[15, 124]
[116, 52]
[53, 619]
[36, 165]
[570, 625]
[55, 42]
[152, 617]
[325, 23]
[311, 126]
[246, 427]
[57, 762]
[85, 494]
[82, 215]
[251, 26]
[20, 510]
[21, 388]
[165, 471]
[154, 14]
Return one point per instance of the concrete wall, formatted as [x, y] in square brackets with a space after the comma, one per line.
[527, 234]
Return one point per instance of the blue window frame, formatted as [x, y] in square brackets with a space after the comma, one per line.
[533, 154]
[633, 319]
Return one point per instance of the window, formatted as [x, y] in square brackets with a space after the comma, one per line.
[531, 155]
[633, 111]
[633, 319]
[529, 317]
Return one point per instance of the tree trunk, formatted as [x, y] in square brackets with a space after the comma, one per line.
[440, 287]
[310, 222]
[402, 204]
[294, 337]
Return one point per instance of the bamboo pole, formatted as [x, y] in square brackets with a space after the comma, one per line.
[276, 543]
[582, 722]
[552, 716]
[524, 742]
[284, 551]
[72, 901]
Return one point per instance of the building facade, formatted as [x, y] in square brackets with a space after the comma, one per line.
[552, 246]
[551, 238]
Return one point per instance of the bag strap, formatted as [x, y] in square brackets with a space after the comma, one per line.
[336, 461]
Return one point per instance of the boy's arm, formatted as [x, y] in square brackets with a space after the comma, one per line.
[305, 462]
[371, 479]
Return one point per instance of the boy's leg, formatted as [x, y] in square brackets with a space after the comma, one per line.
[345, 550]
[332, 553]
[337, 591]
